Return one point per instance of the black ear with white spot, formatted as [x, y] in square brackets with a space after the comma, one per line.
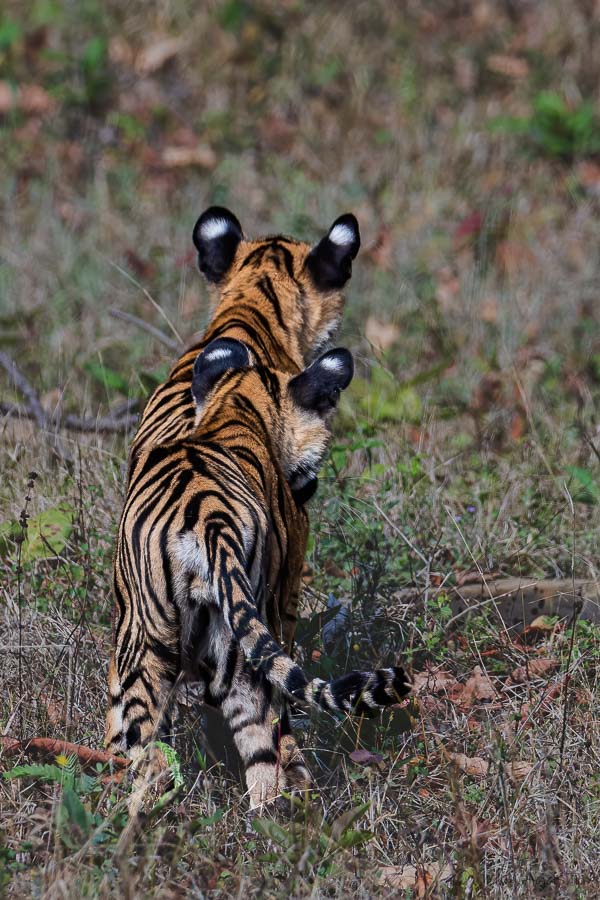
[330, 262]
[318, 387]
[216, 236]
[216, 359]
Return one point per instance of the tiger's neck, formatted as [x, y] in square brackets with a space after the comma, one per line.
[267, 311]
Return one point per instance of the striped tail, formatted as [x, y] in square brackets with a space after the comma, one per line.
[356, 692]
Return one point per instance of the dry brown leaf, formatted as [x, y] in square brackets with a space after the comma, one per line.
[537, 668]
[35, 101]
[514, 259]
[488, 310]
[381, 251]
[588, 175]
[519, 769]
[330, 567]
[364, 757]
[403, 877]
[434, 681]
[155, 55]
[542, 623]
[473, 832]
[478, 687]
[470, 765]
[31, 99]
[201, 155]
[381, 335]
[120, 51]
[511, 66]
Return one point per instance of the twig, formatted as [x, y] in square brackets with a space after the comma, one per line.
[35, 407]
[115, 423]
[149, 297]
[52, 747]
[145, 326]
[23, 385]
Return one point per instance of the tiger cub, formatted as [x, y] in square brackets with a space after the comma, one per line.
[283, 298]
[194, 567]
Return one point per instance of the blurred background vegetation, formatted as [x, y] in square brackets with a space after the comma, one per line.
[465, 136]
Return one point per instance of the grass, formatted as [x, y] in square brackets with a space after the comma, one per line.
[468, 442]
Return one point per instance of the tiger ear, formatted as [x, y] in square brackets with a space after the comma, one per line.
[216, 236]
[330, 261]
[318, 388]
[219, 356]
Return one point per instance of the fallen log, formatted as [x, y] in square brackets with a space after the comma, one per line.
[52, 747]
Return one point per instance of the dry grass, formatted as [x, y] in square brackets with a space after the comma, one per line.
[457, 452]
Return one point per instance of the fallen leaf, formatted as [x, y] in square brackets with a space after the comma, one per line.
[278, 133]
[514, 259]
[588, 176]
[364, 757]
[201, 155]
[381, 335]
[478, 687]
[488, 310]
[470, 765]
[519, 769]
[381, 251]
[434, 681]
[543, 623]
[518, 425]
[511, 66]
[468, 228]
[155, 55]
[30, 99]
[120, 51]
[473, 832]
[331, 568]
[143, 268]
[405, 877]
[537, 668]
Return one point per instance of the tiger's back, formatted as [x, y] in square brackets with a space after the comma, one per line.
[195, 560]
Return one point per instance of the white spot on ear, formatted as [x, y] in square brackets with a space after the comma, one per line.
[331, 363]
[214, 228]
[218, 353]
[342, 235]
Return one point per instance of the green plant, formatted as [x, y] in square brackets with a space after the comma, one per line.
[555, 129]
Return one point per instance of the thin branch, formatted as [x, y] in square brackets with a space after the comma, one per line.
[111, 424]
[145, 326]
[23, 385]
[149, 297]
[34, 406]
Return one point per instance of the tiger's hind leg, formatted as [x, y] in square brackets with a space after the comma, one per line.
[259, 725]
[139, 713]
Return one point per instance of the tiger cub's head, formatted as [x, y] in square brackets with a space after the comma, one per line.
[301, 284]
[227, 385]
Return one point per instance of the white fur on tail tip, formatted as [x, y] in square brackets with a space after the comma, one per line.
[332, 363]
[342, 235]
[214, 228]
